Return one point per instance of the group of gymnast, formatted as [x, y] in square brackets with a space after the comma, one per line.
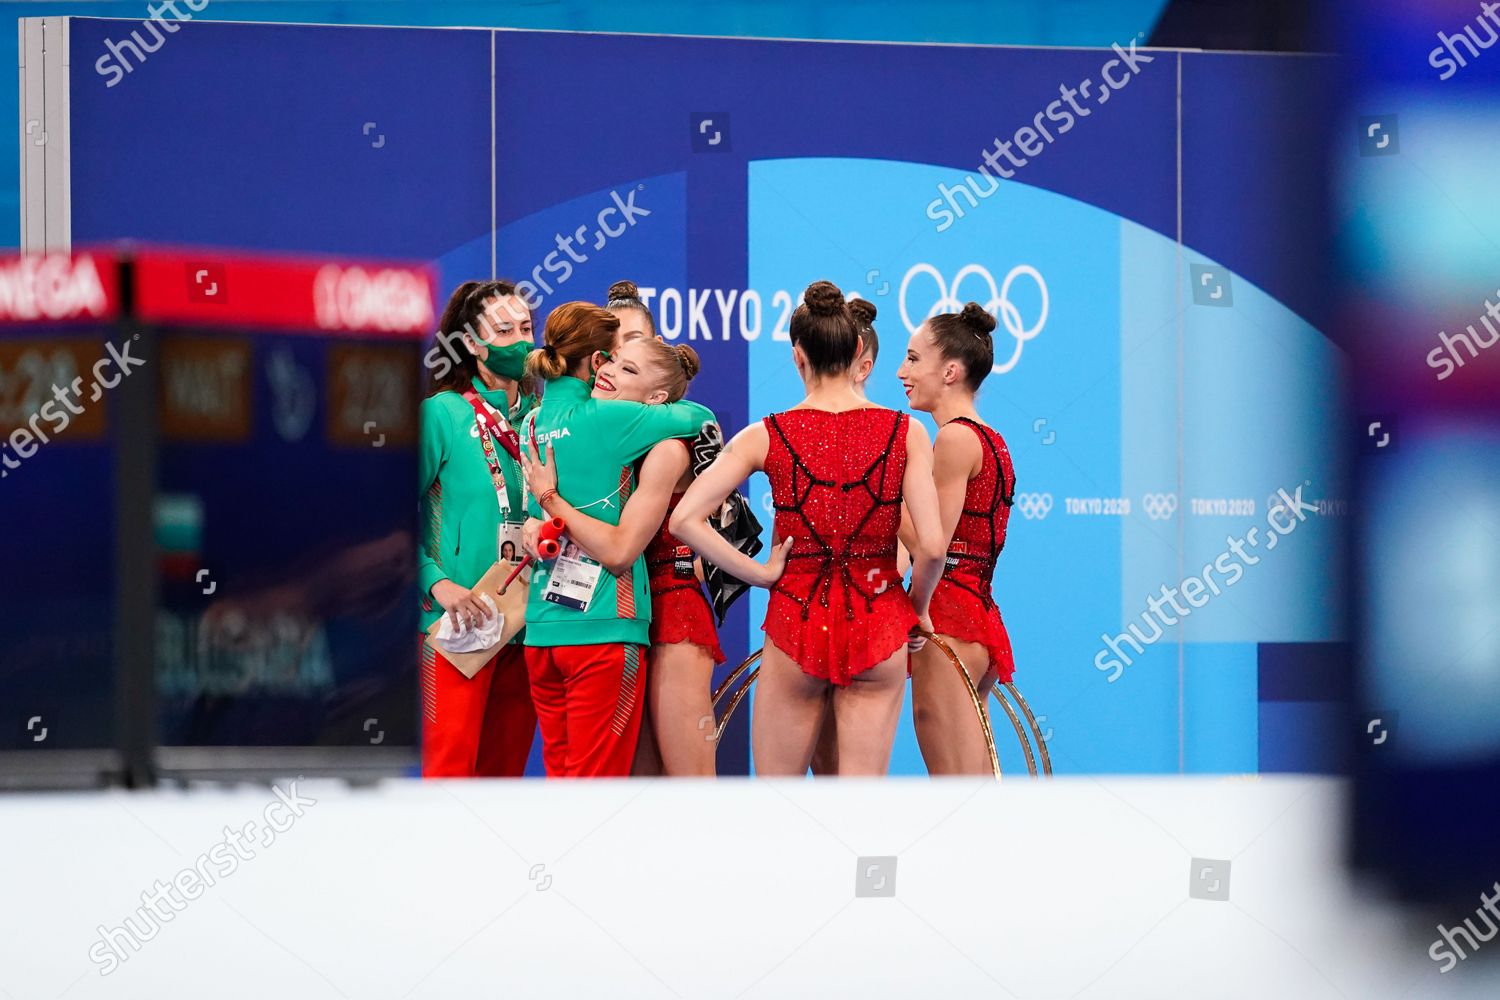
[882, 536]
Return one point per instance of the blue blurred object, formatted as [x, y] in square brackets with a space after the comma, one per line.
[1420, 250]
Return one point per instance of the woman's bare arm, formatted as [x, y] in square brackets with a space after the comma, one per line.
[921, 495]
[906, 537]
[956, 458]
[744, 454]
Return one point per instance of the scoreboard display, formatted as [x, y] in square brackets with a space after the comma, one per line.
[57, 471]
[275, 454]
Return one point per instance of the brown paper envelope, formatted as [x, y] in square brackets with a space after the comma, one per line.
[512, 605]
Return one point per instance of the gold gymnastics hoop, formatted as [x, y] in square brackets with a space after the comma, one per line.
[979, 710]
[1036, 731]
[737, 694]
[984, 716]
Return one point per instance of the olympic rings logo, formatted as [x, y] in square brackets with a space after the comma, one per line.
[1034, 506]
[997, 303]
[1159, 506]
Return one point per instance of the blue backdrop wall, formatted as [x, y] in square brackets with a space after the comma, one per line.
[1160, 373]
[1008, 22]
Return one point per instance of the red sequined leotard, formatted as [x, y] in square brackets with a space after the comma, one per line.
[963, 606]
[836, 480]
[679, 609]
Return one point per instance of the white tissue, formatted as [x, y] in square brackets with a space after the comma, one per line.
[471, 639]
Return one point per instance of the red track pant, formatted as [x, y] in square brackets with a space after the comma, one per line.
[588, 701]
[480, 726]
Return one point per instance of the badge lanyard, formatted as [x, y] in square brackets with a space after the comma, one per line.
[492, 428]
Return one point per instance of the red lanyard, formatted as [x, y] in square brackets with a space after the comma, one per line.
[493, 427]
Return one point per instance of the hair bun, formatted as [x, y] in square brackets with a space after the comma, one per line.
[623, 290]
[823, 298]
[863, 310]
[689, 360]
[976, 319]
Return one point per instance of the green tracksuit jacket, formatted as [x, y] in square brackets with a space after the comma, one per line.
[460, 515]
[597, 443]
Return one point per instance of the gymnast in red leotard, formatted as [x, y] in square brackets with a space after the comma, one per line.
[946, 361]
[825, 758]
[840, 470]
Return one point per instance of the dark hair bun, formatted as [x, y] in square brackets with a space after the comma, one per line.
[623, 290]
[823, 298]
[976, 319]
[863, 310]
[689, 359]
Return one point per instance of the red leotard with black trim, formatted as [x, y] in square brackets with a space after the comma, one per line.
[836, 483]
[679, 608]
[963, 605]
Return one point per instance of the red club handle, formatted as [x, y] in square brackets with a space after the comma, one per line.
[549, 539]
[515, 573]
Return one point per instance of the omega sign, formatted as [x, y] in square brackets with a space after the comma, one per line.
[55, 287]
[389, 299]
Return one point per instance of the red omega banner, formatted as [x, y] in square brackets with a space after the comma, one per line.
[58, 288]
[367, 298]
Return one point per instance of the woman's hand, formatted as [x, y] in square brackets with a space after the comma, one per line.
[541, 477]
[775, 565]
[463, 608]
[918, 639]
[531, 535]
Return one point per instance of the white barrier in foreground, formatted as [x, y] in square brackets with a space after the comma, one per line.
[731, 889]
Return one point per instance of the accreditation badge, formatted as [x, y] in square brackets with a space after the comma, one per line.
[573, 578]
[509, 543]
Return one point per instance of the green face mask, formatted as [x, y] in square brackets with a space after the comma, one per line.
[508, 361]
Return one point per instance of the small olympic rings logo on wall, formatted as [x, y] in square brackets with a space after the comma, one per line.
[1159, 506]
[998, 302]
[1034, 506]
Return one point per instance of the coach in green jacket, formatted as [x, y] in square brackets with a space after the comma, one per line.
[472, 493]
[586, 628]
